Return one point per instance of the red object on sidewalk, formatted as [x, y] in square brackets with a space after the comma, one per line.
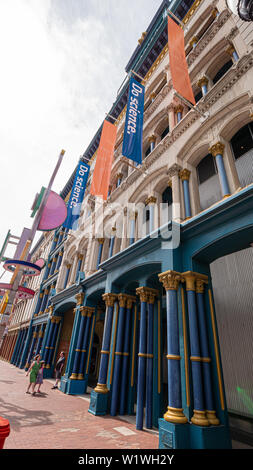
[4, 430]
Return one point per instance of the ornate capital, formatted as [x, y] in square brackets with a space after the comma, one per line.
[170, 279]
[51, 310]
[35, 334]
[230, 50]
[194, 40]
[126, 300]
[174, 170]
[150, 200]
[119, 175]
[179, 108]
[152, 138]
[101, 241]
[189, 277]
[152, 95]
[184, 174]
[41, 334]
[217, 149]
[79, 298]
[170, 183]
[140, 41]
[109, 299]
[202, 81]
[200, 283]
[147, 294]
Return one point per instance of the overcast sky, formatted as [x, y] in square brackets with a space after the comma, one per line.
[62, 62]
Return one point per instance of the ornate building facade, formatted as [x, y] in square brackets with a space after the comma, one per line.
[153, 298]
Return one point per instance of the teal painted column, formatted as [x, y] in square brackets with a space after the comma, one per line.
[217, 152]
[174, 414]
[184, 176]
[16, 349]
[150, 358]
[77, 351]
[99, 396]
[125, 355]
[141, 358]
[59, 261]
[131, 390]
[199, 417]
[44, 300]
[40, 338]
[85, 343]
[100, 250]
[66, 276]
[145, 372]
[56, 322]
[204, 348]
[116, 389]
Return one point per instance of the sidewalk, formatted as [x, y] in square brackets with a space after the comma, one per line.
[54, 420]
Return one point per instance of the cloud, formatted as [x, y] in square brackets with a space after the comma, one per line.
[62, 63]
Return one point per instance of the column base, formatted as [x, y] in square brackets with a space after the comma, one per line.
[199, 418]
[175, 415]
[212, 418]
[98, 403]
[173, 436]
[212, 437]
[72, 386]
[189, 436]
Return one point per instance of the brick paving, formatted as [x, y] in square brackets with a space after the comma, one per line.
[54, 420]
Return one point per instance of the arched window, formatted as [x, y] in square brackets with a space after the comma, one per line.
[165, 132]
[208, 180]
[222, 71]
[242, 148]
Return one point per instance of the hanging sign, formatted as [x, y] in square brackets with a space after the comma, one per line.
[102, 171]
[76, 197]
[132, 142]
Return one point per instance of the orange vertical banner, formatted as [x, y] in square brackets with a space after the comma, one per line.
[178, 65]
[102, 172]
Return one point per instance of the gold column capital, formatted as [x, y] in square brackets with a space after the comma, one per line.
[152, 95]
[217, 149]
[147, 294]
[193, 40]
[126, 300]
[109, 299]
[35, 334]
[152, 138]
[41, 334]
[185, 174]
[179, 108]
[79, 298]
[230, 50]
[51, 310]
[194, 280]
[101, 241]
[202, 81]
[140, 41]
[150, 200]
[170, 279]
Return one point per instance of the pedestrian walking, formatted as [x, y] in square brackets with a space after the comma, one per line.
[39, 380]
[58, 369]
[33, 371]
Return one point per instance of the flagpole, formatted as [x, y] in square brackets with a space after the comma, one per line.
[188, 103]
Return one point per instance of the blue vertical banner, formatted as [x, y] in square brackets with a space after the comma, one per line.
[132, 142]
[76, 196]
